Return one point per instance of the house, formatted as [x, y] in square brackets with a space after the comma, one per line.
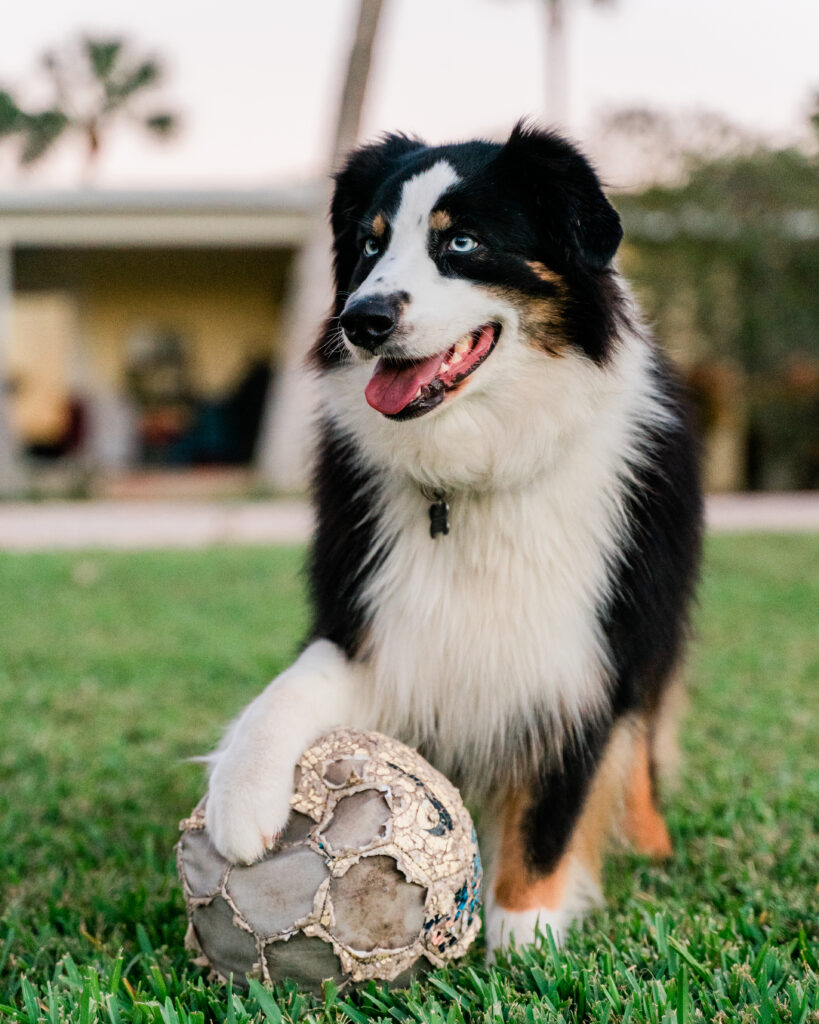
[139, 328]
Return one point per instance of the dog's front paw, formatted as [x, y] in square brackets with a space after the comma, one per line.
[248, 806]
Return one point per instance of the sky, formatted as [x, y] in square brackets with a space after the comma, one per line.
[256, 84]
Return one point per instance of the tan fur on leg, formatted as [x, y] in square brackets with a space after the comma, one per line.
[644, 825]
[516, 886]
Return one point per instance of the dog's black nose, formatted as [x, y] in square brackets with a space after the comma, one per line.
[368, 322]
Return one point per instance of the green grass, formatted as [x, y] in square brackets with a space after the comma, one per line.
[116, 668]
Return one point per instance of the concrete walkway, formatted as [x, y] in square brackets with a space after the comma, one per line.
[132, 525]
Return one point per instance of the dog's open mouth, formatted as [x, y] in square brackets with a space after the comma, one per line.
[402, 389]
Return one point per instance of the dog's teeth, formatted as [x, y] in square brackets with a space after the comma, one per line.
[444, 366]
[461, 347]
[455, 358]
[417, 394]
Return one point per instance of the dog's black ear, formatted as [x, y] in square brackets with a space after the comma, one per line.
[569, 206]
[356, 182]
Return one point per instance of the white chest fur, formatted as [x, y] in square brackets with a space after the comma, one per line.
[494, 627]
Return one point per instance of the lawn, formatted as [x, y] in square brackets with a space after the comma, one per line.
[117, 668]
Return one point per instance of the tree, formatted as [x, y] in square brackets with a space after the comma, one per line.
[284, 438]
[556, 107]
[95, 83]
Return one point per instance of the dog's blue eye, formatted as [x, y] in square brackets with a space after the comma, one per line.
[371, 248]
[462, 243]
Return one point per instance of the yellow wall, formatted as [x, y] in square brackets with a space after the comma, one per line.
[74, 312]
[42, 331]
[225, 306]
[226, 303]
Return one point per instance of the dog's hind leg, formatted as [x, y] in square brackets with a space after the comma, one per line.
[643, 824]
[656, 757]
[548, 863]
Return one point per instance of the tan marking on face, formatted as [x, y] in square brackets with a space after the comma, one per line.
[541, 318]
[643, 823]
[440, 220]
[517, 886]
[544, 273]
[379, 225]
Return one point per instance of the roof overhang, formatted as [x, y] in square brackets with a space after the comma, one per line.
[88, 219]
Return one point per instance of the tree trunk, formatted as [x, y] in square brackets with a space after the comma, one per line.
[556, 105]
[282, 454]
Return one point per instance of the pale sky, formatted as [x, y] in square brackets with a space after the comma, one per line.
[256, 83]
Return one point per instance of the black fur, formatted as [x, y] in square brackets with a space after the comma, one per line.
[343, 550]
[558, 794]
[653, 582]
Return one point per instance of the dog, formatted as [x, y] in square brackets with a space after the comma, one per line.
[508, 520]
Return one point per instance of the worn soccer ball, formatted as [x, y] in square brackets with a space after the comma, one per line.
[376, 876]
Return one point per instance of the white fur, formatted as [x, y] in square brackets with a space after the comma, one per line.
[252, 772]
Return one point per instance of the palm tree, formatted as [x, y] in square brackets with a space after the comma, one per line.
[284, 437]
[95, 83]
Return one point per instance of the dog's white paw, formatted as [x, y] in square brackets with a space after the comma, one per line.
[248, 805]
[522, 926]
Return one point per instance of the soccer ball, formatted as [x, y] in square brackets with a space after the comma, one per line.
[376, 876]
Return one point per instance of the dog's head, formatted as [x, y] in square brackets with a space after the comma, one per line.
[451, 257]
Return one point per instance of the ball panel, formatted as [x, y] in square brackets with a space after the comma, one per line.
[298, 828]
[202, 866]
[344, 770]
[275, 893]
[309, 961]
[358, 820]
[375, 907]
[230, 949]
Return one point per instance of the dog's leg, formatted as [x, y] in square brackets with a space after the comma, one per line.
[551, 846]
[644, 826]
[251, 779]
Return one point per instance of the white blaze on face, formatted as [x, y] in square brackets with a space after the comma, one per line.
[441, 309]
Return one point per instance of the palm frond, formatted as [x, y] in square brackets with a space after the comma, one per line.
[163, 125]
[143, 75]
[102, 55]
[10, 114]
[41, 131]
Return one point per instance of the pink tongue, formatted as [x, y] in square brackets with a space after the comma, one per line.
[392, 388]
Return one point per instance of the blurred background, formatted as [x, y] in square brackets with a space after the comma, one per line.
[164, 177]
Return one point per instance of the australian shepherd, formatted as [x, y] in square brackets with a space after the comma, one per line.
[508, 520]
